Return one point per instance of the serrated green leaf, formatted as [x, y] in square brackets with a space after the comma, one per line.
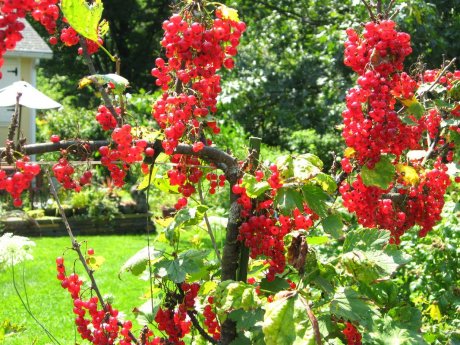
[306, 166]
[316, 199]
[366, 239]
[83, 17]
[326, 182]
[389, 332]
[381, 175]
[137, 263]
[288, 199]
[351, 306]
[368, 266]
[286, 321]
[333, 225]
[253, 187]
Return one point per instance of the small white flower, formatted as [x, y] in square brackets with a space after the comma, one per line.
[14, 249]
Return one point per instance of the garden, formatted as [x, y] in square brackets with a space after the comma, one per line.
[272, 172]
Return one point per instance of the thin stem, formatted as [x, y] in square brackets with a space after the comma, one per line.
[208, 224]
[313, 320]
[29, 311]
[369, 9]
[148, 239]
[389, 7]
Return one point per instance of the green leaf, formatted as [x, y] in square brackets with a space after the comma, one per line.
[187, 262]
[307, 166]
[371, 265]
[287, 199]
[137, 263]
[286, 321]
[185, 217]
[454, 91]
[231, 295]
[316, 199]
[333, 225]
[317, 240]
[351, 306]
[381, 175]
[246, 319]
[416, 109]
[278, 284]
[253, 187]
[407, 317]
[83, 17]
[326, 182]
[389, 332]
[366, 239]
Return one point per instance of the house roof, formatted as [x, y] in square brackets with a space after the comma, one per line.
[32, 45]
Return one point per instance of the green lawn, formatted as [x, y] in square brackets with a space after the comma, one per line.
[50, 303]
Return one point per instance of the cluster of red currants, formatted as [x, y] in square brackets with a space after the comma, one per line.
[351, 334]
[63, 172]
[126, 152]
[20, 180]
[195, 51]
[373, 128]
[263, 231]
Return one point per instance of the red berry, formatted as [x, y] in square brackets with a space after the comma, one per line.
[55, 138]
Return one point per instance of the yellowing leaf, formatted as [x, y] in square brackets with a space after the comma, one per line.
[349, 152]
[95, 262]
[164, 222]
[84, 82]
[408, 101]
[83, 17]
[228, 13]
[435, 312]
[408, 174]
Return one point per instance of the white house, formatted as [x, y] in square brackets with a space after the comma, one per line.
[20, 64]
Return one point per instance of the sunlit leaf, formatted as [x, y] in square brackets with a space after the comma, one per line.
[83, 17]
[408, 174]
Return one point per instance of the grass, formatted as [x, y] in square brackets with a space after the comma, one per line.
[50, 303]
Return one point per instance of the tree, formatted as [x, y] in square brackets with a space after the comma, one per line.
[267, 285]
